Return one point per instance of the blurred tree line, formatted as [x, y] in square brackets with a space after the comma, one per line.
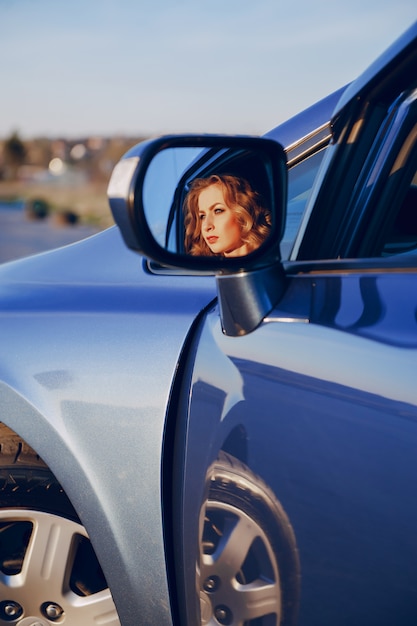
[95, 156]
[67, 176]
[14, 154]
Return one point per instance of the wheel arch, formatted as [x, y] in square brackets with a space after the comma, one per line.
[40, 439]
[84, 489]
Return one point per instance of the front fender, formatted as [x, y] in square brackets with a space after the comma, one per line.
[86, 370]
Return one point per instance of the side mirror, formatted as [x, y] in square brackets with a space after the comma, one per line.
[202, 203]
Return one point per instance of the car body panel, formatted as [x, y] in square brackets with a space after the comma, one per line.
[86, 373]
[323, 397]
[320, 400]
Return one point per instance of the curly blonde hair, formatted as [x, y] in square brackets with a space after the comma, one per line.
[253, 218]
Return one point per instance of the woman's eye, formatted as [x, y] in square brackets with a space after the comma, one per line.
[202, 217]
[218, 210]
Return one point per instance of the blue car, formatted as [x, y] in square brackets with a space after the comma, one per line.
[200, 432]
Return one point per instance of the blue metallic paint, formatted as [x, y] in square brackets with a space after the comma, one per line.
[329, 413]
[86, 370]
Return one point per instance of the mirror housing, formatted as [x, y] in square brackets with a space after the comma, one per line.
[133, 210]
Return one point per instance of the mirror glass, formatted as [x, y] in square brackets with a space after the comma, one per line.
[202, 201]
[161, 181]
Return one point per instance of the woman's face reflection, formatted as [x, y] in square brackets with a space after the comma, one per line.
[219, 226]
[224, 216]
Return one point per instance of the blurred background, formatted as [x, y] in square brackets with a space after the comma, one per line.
[53, 190]
[84, 81]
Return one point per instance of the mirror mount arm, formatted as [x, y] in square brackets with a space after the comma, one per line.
[245, 299]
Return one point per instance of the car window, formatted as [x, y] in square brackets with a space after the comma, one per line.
[401, 235]
[300, 181]
[392, 229]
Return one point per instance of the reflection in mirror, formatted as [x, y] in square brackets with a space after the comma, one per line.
[208, 201]
[159, 187]
[224, 216]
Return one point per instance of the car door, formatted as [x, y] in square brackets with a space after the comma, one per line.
[295, 456]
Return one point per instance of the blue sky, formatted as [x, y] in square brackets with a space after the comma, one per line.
[132, 67]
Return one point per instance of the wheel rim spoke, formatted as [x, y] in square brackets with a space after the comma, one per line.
[258, 599]
[249, 592]
[95, 609]
[46, 570]
[48, 553]
[234, 546]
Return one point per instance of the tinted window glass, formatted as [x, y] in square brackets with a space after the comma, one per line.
[386, 207]
[401, 235]
[300, 181]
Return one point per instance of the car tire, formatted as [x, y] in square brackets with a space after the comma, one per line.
[49, 572]
[249, 567]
